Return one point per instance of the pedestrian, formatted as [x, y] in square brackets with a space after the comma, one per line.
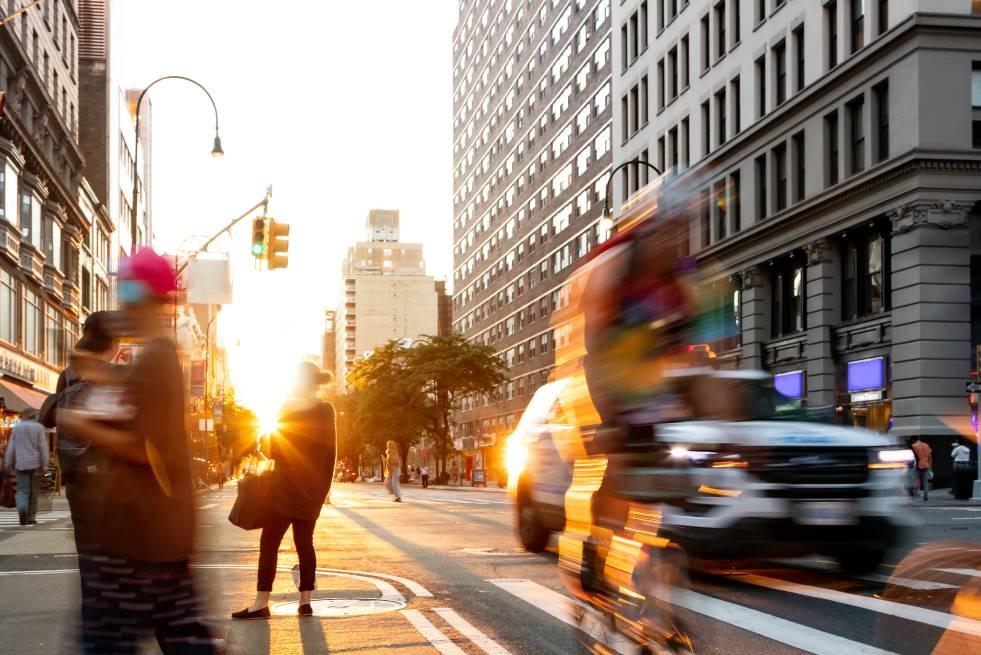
[963, 471]
[304, 451]
[924, 463]
[139, 575]
[424, 475]
[393, 469]
[27, 455]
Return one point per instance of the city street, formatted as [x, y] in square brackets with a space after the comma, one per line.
[442, 573]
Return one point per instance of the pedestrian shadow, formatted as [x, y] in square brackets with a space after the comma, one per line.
[312, 637]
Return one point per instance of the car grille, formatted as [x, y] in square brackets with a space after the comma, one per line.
[805, 466]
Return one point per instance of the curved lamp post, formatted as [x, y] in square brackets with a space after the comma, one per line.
[606, 223]
[216, 150]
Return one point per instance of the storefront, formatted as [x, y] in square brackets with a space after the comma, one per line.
[864, 397]
[791, 384]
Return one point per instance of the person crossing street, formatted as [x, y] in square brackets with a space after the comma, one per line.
[27, 454]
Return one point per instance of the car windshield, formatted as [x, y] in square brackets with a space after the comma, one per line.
[742, 399]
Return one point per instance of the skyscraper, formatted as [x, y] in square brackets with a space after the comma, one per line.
[532, 142]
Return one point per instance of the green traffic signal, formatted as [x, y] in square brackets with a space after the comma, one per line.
[259, 238]
[258, 249]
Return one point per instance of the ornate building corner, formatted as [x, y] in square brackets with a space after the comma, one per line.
[819, 252]
[753, 277]
[939, 214]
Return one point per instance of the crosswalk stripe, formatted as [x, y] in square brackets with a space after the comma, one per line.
[466, 629]
[208, 506]
[909, 583]
[773, 627]
[888, 607]
[971, 573]
[438, 640]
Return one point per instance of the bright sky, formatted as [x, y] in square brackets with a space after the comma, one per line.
[342, 106]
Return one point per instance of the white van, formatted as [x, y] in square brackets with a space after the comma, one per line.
[770, 484]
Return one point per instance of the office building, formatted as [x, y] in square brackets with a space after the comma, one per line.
[836, 146]
[42, 221]
[531, 152]
[387, 294]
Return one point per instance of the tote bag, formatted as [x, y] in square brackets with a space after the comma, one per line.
[251, 509]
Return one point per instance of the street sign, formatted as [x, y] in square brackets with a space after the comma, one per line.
[972, 387]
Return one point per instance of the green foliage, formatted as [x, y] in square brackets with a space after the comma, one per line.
[400, 392]
[241, 429]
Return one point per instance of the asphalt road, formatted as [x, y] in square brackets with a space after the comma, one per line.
[442, 573]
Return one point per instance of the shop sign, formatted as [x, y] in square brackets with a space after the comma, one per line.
[20, 367]
[790, 384]
[866, 397]
[866, 374]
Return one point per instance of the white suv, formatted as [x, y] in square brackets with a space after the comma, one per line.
[764, 483]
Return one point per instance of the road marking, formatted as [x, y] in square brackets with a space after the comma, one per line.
[966, 518]
[971, 573]
[439, 641]
[909, 583]
[208, 506]
[773, 627]
[464, 627]
[887, 607]
[564, 608]
[411, 585]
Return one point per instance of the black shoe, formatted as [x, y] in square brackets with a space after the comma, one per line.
[305, 610]
[246, 615]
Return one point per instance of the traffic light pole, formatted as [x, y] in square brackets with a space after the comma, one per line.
[264, 204]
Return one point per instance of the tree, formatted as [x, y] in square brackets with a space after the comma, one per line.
[389, 406]
[445, 369]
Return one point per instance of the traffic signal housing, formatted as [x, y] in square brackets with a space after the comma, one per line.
[278, 245]
[259, 238]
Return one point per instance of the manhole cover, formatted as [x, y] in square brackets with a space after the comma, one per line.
[341, 607]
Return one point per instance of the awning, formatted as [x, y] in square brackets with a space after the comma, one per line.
[17, 398]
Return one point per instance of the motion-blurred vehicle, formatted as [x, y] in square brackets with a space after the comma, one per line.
[346, 474]
[749, 477]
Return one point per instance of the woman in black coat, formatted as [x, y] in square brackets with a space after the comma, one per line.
[304, 451]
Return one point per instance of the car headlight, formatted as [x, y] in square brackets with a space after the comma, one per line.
[712, 459]
[893, 458]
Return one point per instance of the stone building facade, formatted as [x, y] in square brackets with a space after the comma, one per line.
[836, 146]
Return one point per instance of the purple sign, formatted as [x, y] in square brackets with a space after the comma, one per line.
[790, 384]
[866, 374]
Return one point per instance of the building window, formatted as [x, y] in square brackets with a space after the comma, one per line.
[672, 74]
[976, 104]
[53, 337]
[780, 64]
[831, 25]
[685, 66]
[788, 298]
[635, 109]
[800, 162]
[706, 223]
[736, 20]
[832, 148]
[880, 97]
[644, 102]
[720, 115]
[643, 26]
[864, 278]
[856, 135]
[624, 52]
[735, 201]
[33, 335]
[720, 30]
[660, 153]
[735, 87]
[3, 191]
[625, 112]
[760, 11]
[634, 38]
[706, 129]
[706, 47]
[660, 85]
[26, 219]
[780, 176]
[799, 68]
[858, 25]
[8, 307]
[685, 142]
[721, 211]
[672, 147]
[883, 16]
[761, 190]
[761, 87]
[660, 15]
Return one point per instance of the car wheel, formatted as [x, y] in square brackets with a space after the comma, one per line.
[533, 535]
[859, 562]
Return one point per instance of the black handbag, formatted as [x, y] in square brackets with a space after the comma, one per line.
[251, 509]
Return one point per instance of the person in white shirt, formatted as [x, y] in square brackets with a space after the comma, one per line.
[961, 453]
[963, 471]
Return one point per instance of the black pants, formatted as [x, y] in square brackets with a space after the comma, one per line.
[125, 601]
[272, 537]
[425, 481]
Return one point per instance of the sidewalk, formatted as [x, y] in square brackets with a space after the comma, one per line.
[491, 487]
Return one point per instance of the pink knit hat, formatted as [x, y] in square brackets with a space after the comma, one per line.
[154, 272]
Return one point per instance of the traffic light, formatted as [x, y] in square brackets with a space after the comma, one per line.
[278, 245]
[259, 238]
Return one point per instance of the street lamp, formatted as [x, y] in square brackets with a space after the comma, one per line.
[606, 223]
[216, 150]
